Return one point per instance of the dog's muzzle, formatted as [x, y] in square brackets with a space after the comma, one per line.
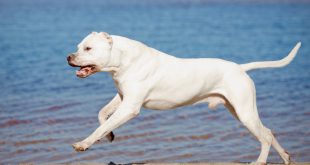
[84, 71]
[70, 58]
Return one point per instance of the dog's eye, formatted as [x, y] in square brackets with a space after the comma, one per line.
[88, 48]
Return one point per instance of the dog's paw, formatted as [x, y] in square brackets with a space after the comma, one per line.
[80, 146]
[286, 157]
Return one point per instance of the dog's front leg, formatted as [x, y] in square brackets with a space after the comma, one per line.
[107, 111]
[126, 111]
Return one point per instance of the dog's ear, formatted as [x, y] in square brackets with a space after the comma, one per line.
[108, 37]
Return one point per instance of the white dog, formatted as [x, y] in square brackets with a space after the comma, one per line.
[145, 77]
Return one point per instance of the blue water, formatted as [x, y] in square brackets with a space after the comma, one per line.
[44, 107]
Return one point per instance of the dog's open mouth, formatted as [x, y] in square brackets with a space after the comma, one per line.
[86, 71]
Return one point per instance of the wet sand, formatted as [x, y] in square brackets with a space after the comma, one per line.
[111, 163]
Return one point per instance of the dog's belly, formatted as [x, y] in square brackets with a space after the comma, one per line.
[213, 99]
[160, 105]
[164, 100]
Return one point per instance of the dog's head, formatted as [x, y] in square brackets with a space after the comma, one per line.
[93, 54]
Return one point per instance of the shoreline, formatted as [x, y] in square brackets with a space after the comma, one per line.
[206, 163]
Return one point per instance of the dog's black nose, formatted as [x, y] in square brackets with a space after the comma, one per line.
[69, 57]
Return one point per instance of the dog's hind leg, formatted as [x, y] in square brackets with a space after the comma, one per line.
[284, 154]
[248, 116]
[107, 111]
[264, 136]
[243, 100]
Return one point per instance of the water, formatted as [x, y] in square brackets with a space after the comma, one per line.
[44, 107]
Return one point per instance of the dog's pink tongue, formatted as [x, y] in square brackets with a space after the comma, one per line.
[83, 72]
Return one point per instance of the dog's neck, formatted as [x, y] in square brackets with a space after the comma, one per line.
[114, 63]
[124, 55]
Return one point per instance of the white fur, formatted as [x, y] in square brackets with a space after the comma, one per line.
[145, 77]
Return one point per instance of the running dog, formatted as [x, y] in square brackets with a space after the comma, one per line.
[146, 77]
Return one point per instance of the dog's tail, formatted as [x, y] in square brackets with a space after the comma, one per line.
[272, 64]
